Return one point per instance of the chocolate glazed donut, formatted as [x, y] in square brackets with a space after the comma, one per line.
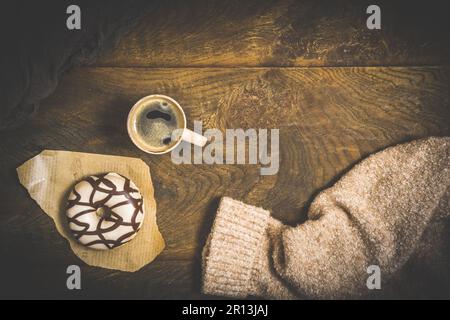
[105, 211]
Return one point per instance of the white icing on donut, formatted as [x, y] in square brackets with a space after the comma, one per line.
[105, 211]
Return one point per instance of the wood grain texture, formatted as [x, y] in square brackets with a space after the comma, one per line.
[329, 119]
[284, 33]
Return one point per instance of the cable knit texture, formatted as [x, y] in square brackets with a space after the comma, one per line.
[385, 211]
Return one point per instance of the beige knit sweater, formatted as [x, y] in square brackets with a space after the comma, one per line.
[384, 211]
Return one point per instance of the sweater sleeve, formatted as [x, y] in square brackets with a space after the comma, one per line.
[374, 215]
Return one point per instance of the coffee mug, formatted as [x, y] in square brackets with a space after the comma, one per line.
[157, 124]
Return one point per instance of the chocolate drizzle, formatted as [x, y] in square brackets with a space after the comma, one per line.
[111, 220]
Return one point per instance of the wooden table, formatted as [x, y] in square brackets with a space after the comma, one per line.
[336, 90]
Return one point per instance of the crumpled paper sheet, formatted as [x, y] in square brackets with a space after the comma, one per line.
[49, 178]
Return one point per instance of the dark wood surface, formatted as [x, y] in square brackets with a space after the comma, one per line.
[277, 64]
[180, 33]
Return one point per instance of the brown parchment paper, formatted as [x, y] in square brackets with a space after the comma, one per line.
[49, 178]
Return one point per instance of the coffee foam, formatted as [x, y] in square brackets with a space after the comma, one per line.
[153, 121]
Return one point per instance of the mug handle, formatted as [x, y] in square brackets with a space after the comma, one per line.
[193, 137]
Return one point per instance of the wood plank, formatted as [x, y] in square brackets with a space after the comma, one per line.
[329, 118]
[284, 33]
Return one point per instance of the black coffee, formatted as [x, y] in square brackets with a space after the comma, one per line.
[155, 122]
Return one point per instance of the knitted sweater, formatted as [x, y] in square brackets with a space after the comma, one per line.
[380, 213]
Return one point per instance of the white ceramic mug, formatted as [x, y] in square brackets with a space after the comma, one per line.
[135, 125]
